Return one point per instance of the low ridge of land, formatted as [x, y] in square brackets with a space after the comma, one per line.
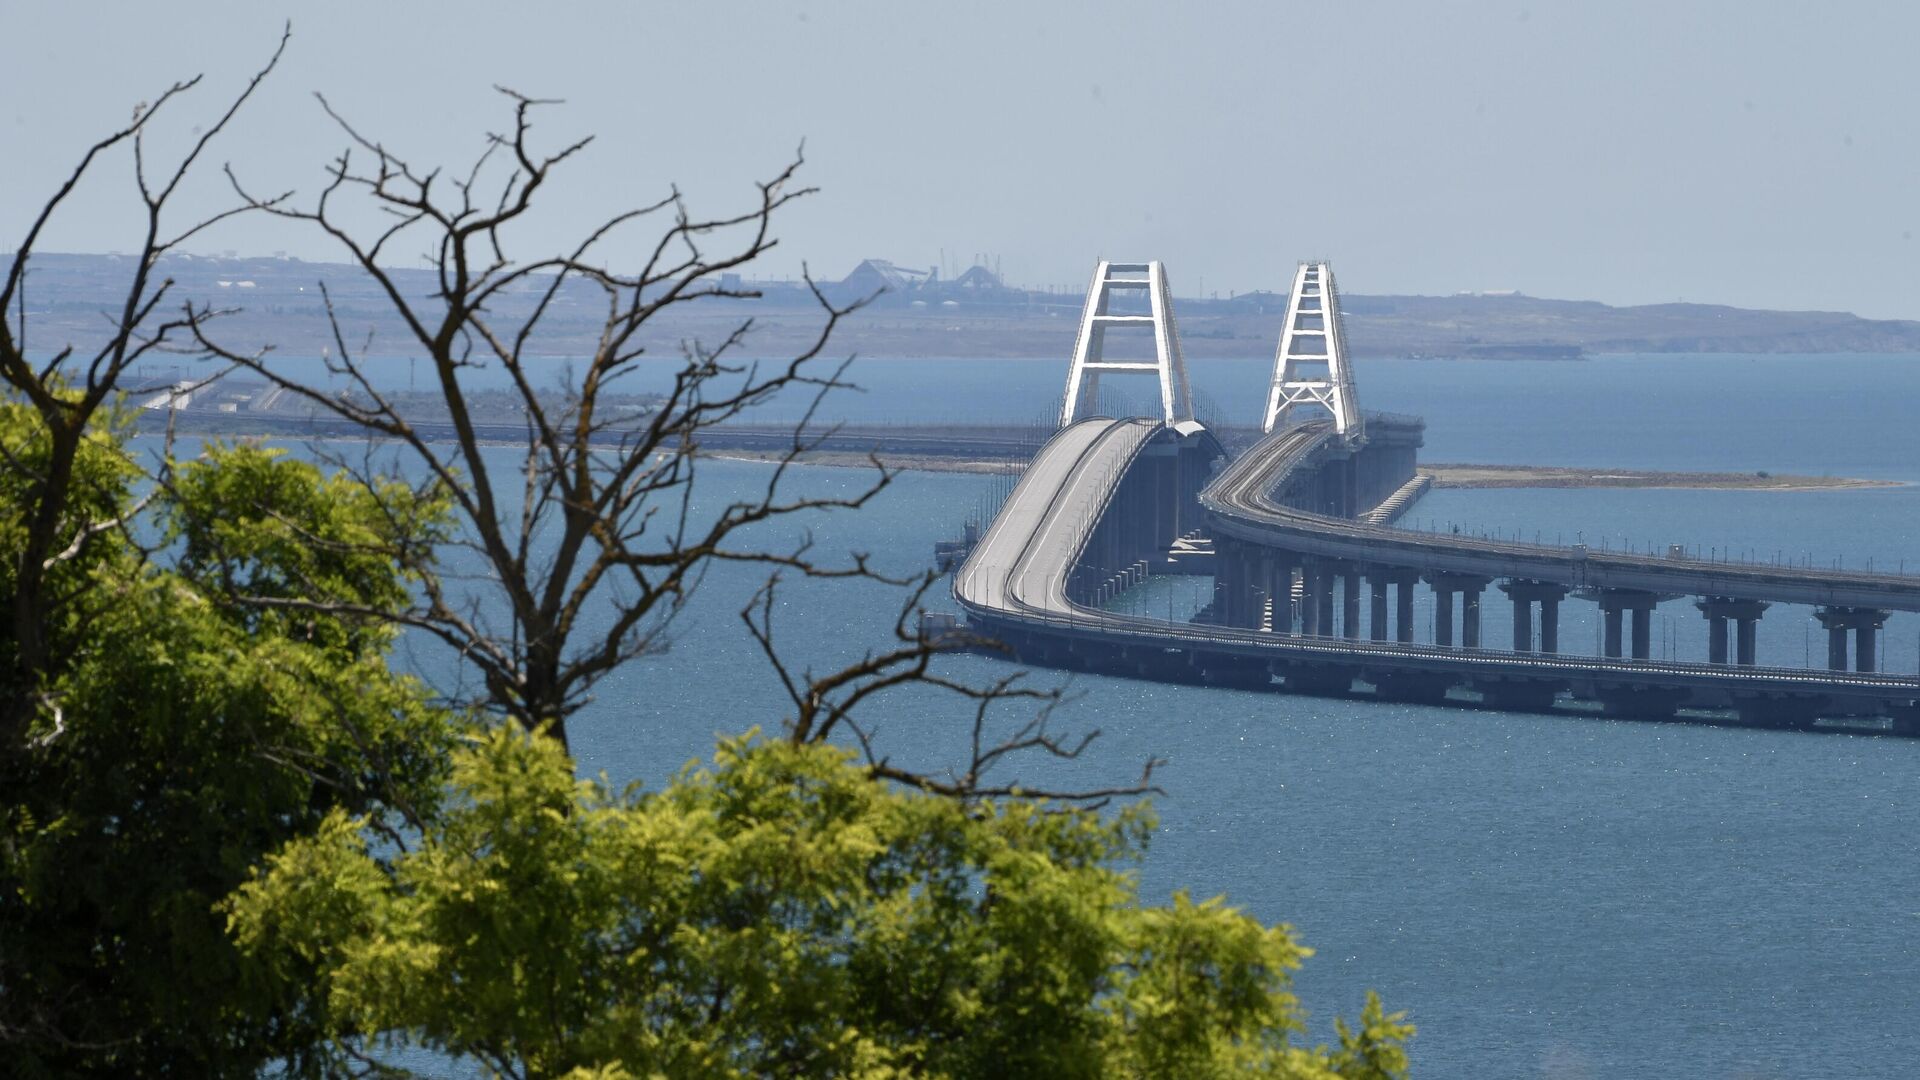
[277, 302]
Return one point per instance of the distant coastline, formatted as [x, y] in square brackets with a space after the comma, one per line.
[1445, 475]
[276, 302]
[1450, 475]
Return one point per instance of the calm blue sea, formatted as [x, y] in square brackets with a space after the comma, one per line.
[1545, 896]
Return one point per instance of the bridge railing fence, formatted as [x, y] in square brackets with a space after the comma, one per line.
[1604, 547]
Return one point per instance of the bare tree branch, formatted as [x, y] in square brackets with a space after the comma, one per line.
[68, 395]
[591, 539]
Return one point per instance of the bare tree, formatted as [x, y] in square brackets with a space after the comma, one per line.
[69, 388]
[589, 543]
[598, 513]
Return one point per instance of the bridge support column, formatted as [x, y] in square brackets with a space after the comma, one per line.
[1639, 605]
[1350, 602]
[1316, 592]
[1277, 577]
[1524, 595]
[1245, 606]
[1260, 588]
[1252, 588]
[1865, 624]
[1743, 614]
[1286, 612]
[1469, 586]
[1403, 581]
[1744, 642]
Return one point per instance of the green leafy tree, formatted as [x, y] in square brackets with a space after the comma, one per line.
[232, 835]
[179, 738]
[159, 738]
[779, 913]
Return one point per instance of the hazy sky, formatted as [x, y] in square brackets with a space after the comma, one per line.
[1761, 154]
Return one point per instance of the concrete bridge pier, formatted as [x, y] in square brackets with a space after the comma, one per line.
[1277, 575]
[1744, 614]
[1468, 587]
[1309, 599]
[1865, 624]
[1403, 581]
[1634, 605]
[1525, 594]
[1350, 602]
[1233, 584]
[1316, 598]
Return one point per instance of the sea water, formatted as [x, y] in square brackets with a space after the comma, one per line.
[1544, 895]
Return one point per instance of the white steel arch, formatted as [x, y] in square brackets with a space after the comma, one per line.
[1310, 367]
[1089, 362]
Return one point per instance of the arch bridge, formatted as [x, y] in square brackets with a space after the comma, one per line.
[1315, 588]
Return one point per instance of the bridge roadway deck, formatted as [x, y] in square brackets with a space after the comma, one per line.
[1239, 504]
[1014, 583]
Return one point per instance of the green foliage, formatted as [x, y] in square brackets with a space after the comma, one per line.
[177, 738]
[202, 869]
[778, 913]
[250, 521]
[95, 490]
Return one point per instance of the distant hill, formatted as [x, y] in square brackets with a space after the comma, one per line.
[277, 301]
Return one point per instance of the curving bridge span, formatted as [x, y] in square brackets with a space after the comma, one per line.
[1315, 590]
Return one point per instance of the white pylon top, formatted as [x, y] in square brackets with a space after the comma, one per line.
[1310, 367]
[1089, 362]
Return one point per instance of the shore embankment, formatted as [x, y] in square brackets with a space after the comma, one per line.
[1451, 475]
[1445, 475]
[999, 450]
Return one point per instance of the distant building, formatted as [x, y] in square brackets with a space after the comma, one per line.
[876, 276]
[978, 278]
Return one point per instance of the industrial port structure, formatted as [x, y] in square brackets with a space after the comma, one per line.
[1296, 532]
